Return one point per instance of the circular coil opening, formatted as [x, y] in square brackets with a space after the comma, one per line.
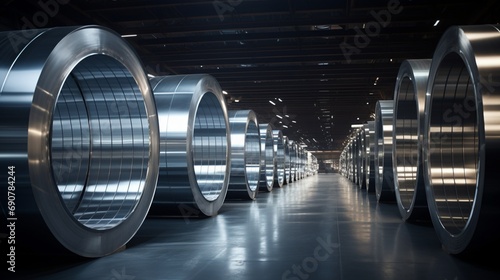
[453, 143]
[210, 147]
[100, 143]
[406, 141]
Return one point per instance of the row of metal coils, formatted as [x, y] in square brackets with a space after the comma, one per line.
[434, 149]
[90, 146]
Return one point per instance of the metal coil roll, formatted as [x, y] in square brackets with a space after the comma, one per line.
[409, 102]
[83, 145]
[384, 182]
[245, 155]
[279, 158]
[366, 162]
[370, 187]
[293, 161]
[461, 139]
[195, 140]
[360, 140]
[267, 158]
[286, 148]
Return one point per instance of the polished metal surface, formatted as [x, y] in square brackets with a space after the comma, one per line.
[279, 158]
[371, 175]
[195, 141]
[286, 149]
[462, 145]
[266, 157]
[366, 155]
[293, 160]
[245, 155]
[407, 138]
[361, 168]
[79, 126]
[384, 182]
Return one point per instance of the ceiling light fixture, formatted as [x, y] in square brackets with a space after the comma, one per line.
[437, 22]
[272, 102]
[129, 35]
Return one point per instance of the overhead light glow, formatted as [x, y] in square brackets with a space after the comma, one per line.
[436, 23]
[280, 117]
[224, 92]
[151, 76]
[237, 100]
[272, 102]
[129, 35]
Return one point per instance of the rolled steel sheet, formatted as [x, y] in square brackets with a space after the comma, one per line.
[286, 149]
[407, 138]
[80, 136]
[266, 158]
[245, 155]
[371, 175]
[461, 138]
[293, 161]
[360, 139]
[195, 160]
[279, 158]
[384, 182]
[366, 156]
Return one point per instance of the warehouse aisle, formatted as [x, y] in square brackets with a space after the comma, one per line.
[321, 227]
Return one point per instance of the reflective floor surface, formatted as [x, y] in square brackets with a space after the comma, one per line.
[321, 227]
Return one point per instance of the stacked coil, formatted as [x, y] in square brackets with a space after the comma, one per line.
[245, 155]
[279, 158]
[266, 158]
[461, 139]
[84, 146]
[195, 142]
[384, 182]
[408, 125]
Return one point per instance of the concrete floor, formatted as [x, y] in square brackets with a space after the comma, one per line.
[321, 227]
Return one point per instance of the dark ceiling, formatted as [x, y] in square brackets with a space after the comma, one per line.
[324, 64]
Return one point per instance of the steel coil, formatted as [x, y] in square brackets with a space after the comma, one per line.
[462, 145]
[267, 158]
[370, 187]
[80, 136]
[286, 148]
[245, 155]
[195, 140]
[409, 102]
[293, 161]
[360, 140]
[279, 158]
[366, 156]
[384, 183]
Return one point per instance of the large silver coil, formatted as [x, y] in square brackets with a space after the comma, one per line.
[462, 139]
[266, 157]
[279, 158]
[354, 160]
[286, 149]
[408, 121]
[366, 156]
[384, 182]
[195, 160]
[360, 140]
[245, 155]
[370, 187]
[293, 161]
[79, 133]
[300, 163]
